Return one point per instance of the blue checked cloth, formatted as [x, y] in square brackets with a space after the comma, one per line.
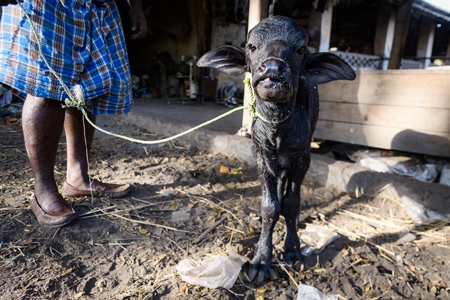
[82, 40]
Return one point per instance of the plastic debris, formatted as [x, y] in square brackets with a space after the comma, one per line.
[445, 175]
[221, 271]
[419, 171]
[181, 215]
[243, 132]
[382, 164]
[360, 154]
[420, 213]
[386, 162]
[316, 238]
[165, 194]
[306, 292]
[11, 120]
[12, 111]
[233, 253]
[135, 82]
[5, 96]
[228, 170]
[409, 237]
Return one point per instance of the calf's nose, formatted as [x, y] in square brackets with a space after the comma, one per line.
[272, 67]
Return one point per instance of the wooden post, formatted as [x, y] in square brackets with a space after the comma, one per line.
[389, 41]
[384, 33]
[426, 40]
[401, 30]
[447, 61]
[325, 28]
[320, 27]
[258, 10]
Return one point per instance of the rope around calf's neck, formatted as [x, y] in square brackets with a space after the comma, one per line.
[76, 99]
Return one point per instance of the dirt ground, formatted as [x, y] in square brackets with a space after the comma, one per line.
[128, 248]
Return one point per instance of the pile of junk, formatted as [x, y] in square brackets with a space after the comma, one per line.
[10, 107]
[230, 96]
[163, 77]
[140, 85]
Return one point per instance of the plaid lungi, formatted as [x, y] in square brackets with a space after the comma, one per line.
[83, 42]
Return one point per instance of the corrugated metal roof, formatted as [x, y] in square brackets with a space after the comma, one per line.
[425, 8]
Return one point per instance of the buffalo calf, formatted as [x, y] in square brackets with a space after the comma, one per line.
[284, 79]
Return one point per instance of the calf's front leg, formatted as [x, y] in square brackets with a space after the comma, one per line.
[270, 212]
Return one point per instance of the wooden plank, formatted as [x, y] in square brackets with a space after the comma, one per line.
[407, 110]
[403, 88]
[424, 142]
[415, 118]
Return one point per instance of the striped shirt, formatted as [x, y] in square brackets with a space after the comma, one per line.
[83, 42]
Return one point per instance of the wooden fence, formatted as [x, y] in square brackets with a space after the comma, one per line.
[406, 110]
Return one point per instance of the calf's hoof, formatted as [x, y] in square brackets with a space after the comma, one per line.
[258, 270]
[294, 259]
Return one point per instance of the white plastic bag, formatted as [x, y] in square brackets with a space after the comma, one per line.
[316, 238]
[221, 271]
[306, 292]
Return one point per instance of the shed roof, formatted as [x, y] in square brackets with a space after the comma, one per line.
[424, 8]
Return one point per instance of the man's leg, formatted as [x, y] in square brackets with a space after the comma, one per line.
[79, 136]
[42, 122]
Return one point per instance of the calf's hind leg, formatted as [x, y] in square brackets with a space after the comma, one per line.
[290, 208]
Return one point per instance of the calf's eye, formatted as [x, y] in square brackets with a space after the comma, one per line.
[251, 47]
[301, 50]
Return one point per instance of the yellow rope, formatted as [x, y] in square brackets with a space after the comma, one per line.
[252, 105]
[76, 99]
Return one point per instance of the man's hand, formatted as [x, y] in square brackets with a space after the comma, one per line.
[138, 21]
[7, 2]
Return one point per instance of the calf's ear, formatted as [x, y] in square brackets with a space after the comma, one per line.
[325, 67]
[229, 60]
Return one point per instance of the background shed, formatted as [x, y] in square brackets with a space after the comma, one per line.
[400, 48]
